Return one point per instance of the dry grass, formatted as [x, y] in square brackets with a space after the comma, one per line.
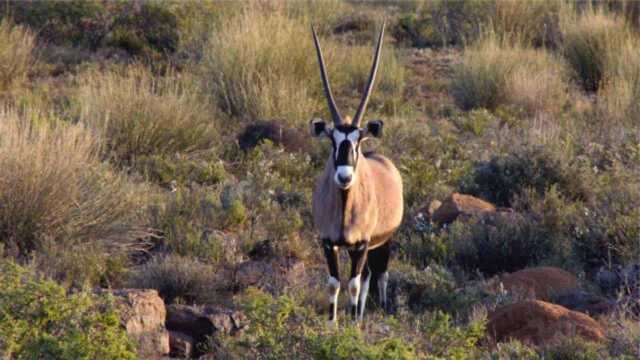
[617, 100]
[529, 22]
[138, 113]
[262, 65]
[591, 44]
[16, 54]
[493, 73]
[53, 187]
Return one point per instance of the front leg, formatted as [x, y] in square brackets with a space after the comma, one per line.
[358, 261]
[331, 253]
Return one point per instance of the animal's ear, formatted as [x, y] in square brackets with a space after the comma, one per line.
[318, 127]
[374, 128]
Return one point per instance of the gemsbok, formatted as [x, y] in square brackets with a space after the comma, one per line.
[357, 202]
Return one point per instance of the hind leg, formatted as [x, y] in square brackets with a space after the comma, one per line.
[378, 264]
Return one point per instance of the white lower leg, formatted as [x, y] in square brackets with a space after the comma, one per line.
[363, 295]
[354, 290]
[382, 289]
[334, 290]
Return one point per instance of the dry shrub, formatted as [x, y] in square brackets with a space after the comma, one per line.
[16, 54]
[177, 278]
[140, 114]
[262, 65]
[494, 73]
[53, 187]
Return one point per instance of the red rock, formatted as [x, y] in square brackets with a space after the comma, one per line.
[201, 322]
[459, 204]
[142, 314]
[540, 283]
[538, 322]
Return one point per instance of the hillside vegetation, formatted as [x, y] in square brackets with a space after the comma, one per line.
[165, 145]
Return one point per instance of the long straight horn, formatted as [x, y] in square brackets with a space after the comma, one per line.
[335, 114]
[372, 77]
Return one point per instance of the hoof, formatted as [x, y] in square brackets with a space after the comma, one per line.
[332, 324]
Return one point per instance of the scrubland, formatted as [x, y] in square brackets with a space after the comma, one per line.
[121, 165]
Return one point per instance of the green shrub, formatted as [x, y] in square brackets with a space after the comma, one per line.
[177, 279]
[428, 157]
[350, 344]
[139, 114]
[71, 22]
[141, 28]
[445, 340]
[16, 54]
[442, 23]
[498, 244]
[41, 320]
[503, 177]
[54, 187]
[145, 28]
[186, 219]
[203, 168]
[624, 334]
[574, 349]
[282, 328]
[607, 231]
[494, 72]
[513, 350]
[279, 79]
[83, 265]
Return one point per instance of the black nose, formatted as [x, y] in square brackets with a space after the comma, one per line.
[344, 179]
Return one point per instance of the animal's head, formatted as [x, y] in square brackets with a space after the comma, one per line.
[346, 135]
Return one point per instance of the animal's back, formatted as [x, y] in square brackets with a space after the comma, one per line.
[388, 187]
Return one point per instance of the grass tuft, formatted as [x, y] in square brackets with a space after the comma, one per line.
[53, 187]
[16, 54]
[139, 114]
[494, 73]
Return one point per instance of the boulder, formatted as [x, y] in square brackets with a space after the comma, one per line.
[538, 322]
[201, 322]
[459, 204]
[181, 344]
[540, 283]
[142, 314]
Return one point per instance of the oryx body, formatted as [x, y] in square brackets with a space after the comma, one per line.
[357, 202]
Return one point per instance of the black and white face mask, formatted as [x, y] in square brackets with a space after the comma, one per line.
[346, 143]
